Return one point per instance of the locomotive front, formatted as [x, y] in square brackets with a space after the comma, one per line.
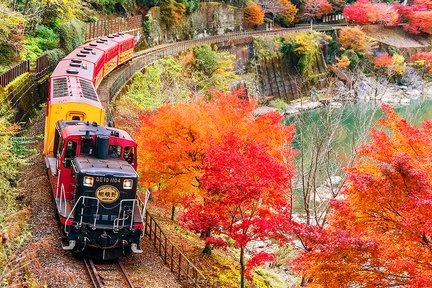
[106, 219]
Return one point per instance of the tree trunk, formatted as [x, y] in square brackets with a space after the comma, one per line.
[242, 267]
[172, 213]
[207, 249]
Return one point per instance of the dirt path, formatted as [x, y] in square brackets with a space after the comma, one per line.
[61, 268]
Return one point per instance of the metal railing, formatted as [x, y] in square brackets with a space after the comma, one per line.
[106, 27]
[187, 273]
[10, 75]
[149, 56]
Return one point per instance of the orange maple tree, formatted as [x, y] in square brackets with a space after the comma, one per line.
[289, 11]
[380, 232]
[254, 15]
[174, 139]
[353, 38]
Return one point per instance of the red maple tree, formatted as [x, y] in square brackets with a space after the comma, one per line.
[380, 234]
[362, 12]
[246, 197]
[417, 18]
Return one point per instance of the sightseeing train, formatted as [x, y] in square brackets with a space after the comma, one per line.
[92, 167]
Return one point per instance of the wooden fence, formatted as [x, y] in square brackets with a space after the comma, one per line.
[179, 264]
[42, 66]
[106, 27]
[10, 75]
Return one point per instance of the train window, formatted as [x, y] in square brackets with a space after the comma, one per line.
[129, 154]
[70, 153]
[56, 142]
[87, 147]
[114, 151]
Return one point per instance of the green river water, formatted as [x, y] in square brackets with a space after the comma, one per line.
[327, 138]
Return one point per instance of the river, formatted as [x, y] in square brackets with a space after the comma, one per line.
[327, 138]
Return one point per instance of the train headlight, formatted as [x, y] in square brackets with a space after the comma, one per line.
[88, 181]
[127, 184]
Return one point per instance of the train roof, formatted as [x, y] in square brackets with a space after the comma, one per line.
[69, 67]
[86, 54]
[121, 37]
[103, 44]
[102, 167]
[73, 89]
[80, 128]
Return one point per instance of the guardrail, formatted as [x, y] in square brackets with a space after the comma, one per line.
[10, 75]
[149, 56]
[179, 264]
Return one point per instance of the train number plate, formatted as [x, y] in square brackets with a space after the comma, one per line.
[107, 194]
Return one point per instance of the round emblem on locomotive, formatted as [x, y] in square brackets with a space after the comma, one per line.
[107, 194]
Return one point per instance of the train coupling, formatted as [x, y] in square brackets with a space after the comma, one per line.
[70, 246]
[135, 249]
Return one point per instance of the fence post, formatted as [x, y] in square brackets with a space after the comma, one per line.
[179, 266]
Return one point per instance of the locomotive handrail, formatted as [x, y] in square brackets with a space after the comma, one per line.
[119, 218]
[82, 198]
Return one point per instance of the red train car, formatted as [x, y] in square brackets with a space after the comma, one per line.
[87, 55]
[126, 45]
[111, 55]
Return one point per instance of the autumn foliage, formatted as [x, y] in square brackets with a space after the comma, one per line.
[254, 15]
[365, 12]
[316, 8]
[353, 38]
[289, 11]
[379, 234]
[228, 169]
[173, 141]
[423, 59]
[395, 64]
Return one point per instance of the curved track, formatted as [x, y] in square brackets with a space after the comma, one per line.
[112, 85]
[107, 274]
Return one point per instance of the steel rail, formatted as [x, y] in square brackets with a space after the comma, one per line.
[98, 280]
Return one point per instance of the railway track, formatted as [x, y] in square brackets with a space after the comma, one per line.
[148, 56]
[107, 274]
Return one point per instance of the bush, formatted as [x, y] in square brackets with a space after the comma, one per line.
[47, 37]
[71, 34]
[205, 59]
[354, 59]
[54, 56]
[92, 19]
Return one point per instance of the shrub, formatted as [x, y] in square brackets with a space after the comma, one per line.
[54, 56]
[423, 60]
[353, 38]
[71, 34]
[47, 37]
[306, 46]
[205, 59]
[353, 58]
